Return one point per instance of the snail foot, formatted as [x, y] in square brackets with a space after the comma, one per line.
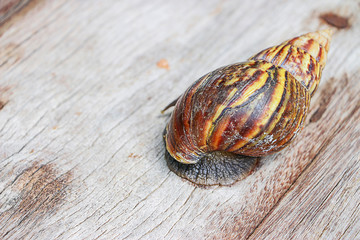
[215, 168]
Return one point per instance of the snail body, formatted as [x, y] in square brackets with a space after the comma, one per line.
[232, 116]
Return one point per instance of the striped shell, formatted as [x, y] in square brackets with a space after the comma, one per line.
[252, 108]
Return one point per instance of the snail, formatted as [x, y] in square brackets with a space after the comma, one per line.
[231, 117]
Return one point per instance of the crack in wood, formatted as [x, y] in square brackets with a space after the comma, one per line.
[26, 144]
[188, 198]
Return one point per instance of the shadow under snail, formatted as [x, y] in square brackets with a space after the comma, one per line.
[229, 118]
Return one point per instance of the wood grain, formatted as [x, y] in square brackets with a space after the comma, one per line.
[9, 7]
[81, 151]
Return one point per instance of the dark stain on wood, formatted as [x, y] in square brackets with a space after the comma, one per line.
[327, 92]
[17, 12]
[8, 8]
[4, 96]
[335, 20]
[2, 104]
[4, 90]
[41, 190]
[10, 55]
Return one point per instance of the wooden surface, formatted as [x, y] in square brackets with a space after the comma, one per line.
[81, 151]
[9, 7]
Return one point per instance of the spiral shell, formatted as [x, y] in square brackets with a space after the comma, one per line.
[237, 113]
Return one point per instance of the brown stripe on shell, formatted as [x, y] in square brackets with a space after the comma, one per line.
[206, 107]
[274, 140]
[276, 52]
[261, 113]
[300, 106]
[299, 63]
[266, 139]
[273, 100]
[179, 141]
[221, 127]
[310, 46]
[322, 37]
[289, 118]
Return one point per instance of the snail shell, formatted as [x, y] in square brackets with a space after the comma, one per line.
[232, 116]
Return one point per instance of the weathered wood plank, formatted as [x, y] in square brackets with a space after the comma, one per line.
[81, 152]
[10, 7]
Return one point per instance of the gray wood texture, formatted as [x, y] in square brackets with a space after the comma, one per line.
[82, 84]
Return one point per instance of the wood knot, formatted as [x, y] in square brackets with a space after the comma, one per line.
[335, 20]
